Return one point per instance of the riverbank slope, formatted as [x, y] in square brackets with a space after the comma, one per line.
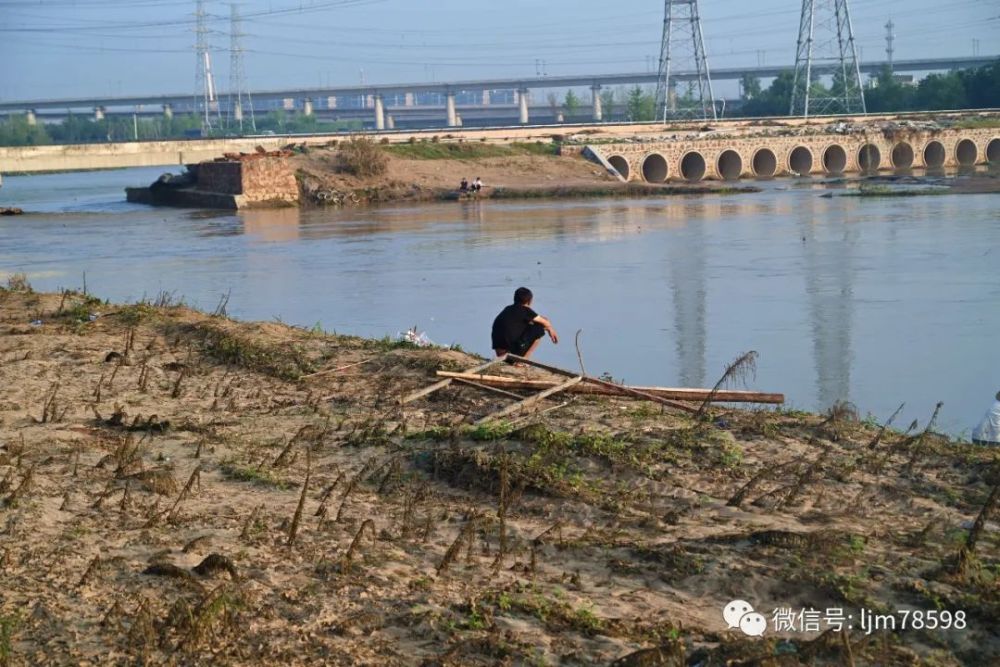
[182, 486]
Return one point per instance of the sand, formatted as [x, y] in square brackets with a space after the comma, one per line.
[174, 491]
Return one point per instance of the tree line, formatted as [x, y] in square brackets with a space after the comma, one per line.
[75, 129]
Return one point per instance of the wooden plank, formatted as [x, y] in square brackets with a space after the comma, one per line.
[484, 387]
[444, 383]
[531, 400]
[672, 393]
[617, 387]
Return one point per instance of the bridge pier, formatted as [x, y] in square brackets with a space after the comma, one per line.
[31, 117]
[450, 106]
[98, 113]
[522, 100]
[486, 98]
[379, 113]
[168, 111]
[595, 92]
[331, 102]
[390, 122]
[307, 107]
[408, 100]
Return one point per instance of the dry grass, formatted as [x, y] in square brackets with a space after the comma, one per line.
[318, 522]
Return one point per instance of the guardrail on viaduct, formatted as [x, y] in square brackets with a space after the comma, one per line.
[731, 159]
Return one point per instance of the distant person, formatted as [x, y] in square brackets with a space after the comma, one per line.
[518, 329]
[988, 431]
[477, 185]
[464, 186]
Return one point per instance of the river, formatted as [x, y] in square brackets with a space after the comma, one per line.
[877, 301]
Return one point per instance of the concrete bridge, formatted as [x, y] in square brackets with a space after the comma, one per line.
[636, 150]
[382, 100]
[731, 159]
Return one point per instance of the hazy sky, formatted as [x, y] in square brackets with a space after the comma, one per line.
[70, 48]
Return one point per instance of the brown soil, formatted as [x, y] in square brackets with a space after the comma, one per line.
[503, 177]
[175, 491]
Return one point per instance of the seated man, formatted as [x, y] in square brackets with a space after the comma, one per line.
[988, 431]
[518, 329]
[464, 186]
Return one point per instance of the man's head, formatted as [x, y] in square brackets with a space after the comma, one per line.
[523, 296]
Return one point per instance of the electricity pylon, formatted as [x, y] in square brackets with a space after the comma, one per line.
[238, 89]
[826, 36]
[683, 50]
[204, 85]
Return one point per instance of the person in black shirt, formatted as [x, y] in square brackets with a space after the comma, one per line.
[518, 329]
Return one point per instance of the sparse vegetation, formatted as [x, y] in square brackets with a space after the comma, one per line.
[363, 157]
[444, 542]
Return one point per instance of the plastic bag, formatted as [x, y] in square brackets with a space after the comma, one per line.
[418, 338]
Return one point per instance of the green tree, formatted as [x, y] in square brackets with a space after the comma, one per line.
[886, 93]
[609, 103]
[17, 131]
[941, 91]
[750, 85]
[640, 105]
[572, 104]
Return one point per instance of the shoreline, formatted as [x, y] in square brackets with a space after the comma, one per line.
[265, 479]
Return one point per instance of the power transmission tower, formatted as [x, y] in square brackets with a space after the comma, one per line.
[890, 39]
[238, 89]
[683, 50]
[827, 37]
[204, 85]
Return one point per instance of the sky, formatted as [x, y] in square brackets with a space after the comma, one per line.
[74, 48]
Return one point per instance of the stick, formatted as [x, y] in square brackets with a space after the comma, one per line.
[337, 370]
[610, 385]
[497, 390]
[531, 400]
[444, 383]
[673, 393]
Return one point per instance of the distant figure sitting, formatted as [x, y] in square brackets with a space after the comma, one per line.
[988, 431]
[464, 187]
[518, 329]
[477, 185]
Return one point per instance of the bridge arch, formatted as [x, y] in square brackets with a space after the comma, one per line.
[800, 161]
[729, 165]
[620, 163]
[902, 155]
[834, 159]
[934, 155]
[655, 168]
[869, 158]
[966, 152]
[993, 151]
[764, 163]
[693, 166]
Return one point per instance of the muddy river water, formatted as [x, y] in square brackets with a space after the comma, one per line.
[877, 301]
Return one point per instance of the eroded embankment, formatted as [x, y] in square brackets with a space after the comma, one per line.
[180, 487]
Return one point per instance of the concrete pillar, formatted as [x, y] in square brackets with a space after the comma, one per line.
[523, 105]
[595, 91]
[331, 102]
[168, 111]
[369, 101]
[307, 107]
[486, 98]
[379, 113]
[98, 113]
[390, 122]
[560, 117]
[452, 115]
[238, 112]
[288, 104]
[458, 120]
[408, 99]
[31, 117]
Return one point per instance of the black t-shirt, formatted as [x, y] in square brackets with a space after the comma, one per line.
[510, 325]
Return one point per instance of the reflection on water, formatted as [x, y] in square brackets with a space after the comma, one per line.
[875, 301]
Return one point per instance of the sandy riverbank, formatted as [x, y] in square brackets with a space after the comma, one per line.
[178, 488]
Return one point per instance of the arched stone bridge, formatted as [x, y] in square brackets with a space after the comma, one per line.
[730, 159]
